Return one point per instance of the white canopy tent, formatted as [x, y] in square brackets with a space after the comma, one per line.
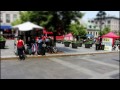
[27, 26]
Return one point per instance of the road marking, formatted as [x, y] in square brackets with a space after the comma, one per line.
[99, 62]
[76, 67]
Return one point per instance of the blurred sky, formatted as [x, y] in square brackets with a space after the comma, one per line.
[92, 14]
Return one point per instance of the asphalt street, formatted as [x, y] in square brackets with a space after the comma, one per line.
[96, 66]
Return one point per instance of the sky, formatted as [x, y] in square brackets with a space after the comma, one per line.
[92, 14]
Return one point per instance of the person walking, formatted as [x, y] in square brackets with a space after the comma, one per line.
[21, 48]
[40, 45]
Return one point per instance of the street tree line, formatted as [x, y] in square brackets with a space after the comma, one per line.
[57, 21]
[54, 20]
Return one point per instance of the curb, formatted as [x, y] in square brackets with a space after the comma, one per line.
[58, 55]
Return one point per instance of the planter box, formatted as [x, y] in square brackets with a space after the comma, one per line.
[98, 47]
[102, 47]
[79, 44]
[67, 44]
[74, 45]
[87, 45]
[2, 44]
[90, 45]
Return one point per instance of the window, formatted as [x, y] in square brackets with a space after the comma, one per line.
[88, 32]
[92, 21]
[90, 26]
[14, 17]
[109, 22]
[96, 33]
[1, 18]
[8, 18]
[94, 27]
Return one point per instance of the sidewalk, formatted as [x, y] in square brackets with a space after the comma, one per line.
[67, 51]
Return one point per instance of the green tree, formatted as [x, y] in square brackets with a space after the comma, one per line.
[82, 31]
[16, 22]
[24, 16]
[105, 31]
[78, 29]
[74, 29]
[52, 20]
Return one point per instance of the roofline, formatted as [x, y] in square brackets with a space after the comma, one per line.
[110, 17]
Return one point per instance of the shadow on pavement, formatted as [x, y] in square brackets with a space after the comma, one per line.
[116, 60]
[65, 49]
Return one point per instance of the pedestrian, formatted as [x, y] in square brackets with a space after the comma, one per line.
[43, 46]
[20, 48]
[34, 48]
[40, 45]
[29, 46]
[94, 40]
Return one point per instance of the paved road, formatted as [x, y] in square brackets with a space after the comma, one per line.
[98, 66]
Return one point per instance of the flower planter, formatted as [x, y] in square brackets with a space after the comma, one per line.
[67, 44]
[102, 47]
[2, 44]
[97, 46]
[74, 45]
[90, 45]
[87, 45]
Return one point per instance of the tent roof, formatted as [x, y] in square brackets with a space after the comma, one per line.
[89, 35]
[27, 26]
[68, 35]
[110, 35]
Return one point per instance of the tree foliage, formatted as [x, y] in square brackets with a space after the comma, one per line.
[78, 29]
[52, 20]
[105, 31]
[16, 22]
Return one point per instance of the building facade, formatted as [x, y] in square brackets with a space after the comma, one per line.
[93, 29]
[110, 21]
[7, 17]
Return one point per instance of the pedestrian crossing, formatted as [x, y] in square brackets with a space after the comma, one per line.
[88, 71]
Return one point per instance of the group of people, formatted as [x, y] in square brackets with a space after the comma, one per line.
[33, 46]
[39, 45]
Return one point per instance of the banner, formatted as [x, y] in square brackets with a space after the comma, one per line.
[108, 43]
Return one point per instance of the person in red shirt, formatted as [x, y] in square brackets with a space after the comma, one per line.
[20, 48]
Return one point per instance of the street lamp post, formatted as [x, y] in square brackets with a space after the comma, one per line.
[100, 17]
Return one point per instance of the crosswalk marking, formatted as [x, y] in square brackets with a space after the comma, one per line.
[99, 62]
[76, 67]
